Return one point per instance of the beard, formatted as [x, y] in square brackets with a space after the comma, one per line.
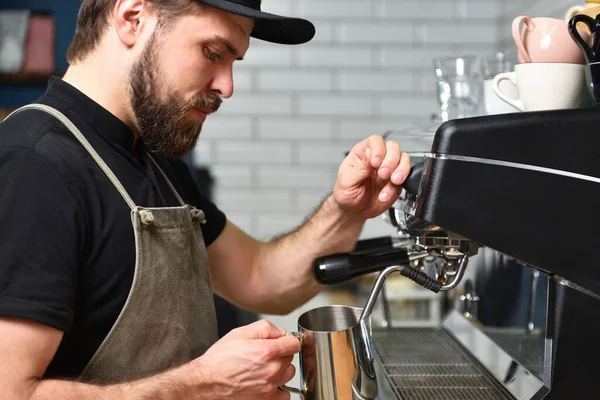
[161, 113]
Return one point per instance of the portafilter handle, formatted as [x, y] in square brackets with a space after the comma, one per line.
[413, 180]
[338, 268]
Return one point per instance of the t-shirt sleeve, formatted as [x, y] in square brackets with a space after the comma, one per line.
[39, 241]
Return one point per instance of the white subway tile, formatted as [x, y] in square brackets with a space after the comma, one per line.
[203, 152]
[335, 9]
[223, 126]
[481, 9]
[323, 32]
[335, 56]
[426, 82]
[279, 7]
[335, 105]
[376, 81]
[242, 220]
[252, 200]
[422, 106]
[331, 154]
[257, 104]
[295, 128]
[261, 53]
[270, 225]
[242, 80]
[253, 152]
[394, 56]
[296, 80]
[457, 32]
[375, 32]
[360, 129]
[308, 200]
[417, 10]
[294, 177]
[231, 176]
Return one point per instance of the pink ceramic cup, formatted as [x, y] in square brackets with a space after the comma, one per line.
[546, 40]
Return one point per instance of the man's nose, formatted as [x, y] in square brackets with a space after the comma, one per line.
[222, 84]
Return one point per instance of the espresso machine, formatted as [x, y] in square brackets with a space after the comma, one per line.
[508, 208]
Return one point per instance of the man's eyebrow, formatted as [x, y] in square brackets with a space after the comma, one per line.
[221, 40]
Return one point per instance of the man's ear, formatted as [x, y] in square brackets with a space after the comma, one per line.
[130, 17]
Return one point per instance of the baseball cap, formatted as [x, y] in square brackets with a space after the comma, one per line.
[269, 27]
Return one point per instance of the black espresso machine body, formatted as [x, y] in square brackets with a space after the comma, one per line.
[528, 186]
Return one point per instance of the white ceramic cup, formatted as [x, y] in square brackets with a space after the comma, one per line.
[493, 104]
[544, 86]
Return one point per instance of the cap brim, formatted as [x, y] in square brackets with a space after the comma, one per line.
[270, 27]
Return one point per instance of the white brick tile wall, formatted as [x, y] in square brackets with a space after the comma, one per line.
[224, 126]
[296, 128]
[281, 7]
[458, 33]
[261, 54]
[335, 56]
[295, 177]
[478, 10]
[252, 152]
[335, 9]
[275, 147]
[250, 200]
[307, 201]
[323, 154]
[296, 80]
[420, 10]
[273, 224]
[375, 32]
[311, 104]
[376, 81]
[356, 129]
[258, 103]
[396, 106]
[232, 176]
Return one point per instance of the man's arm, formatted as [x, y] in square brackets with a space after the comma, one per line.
[26, 349]
[243, 363]
[277, 277]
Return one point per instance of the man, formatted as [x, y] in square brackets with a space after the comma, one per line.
[105, 290]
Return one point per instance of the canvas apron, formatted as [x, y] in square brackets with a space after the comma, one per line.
[169, 316]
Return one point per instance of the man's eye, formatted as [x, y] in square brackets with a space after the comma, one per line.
[212, 56]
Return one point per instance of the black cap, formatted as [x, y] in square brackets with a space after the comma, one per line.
[269, 27]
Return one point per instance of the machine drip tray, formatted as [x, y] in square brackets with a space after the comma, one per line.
[428, 364]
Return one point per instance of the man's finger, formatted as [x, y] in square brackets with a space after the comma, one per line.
[262, 329]
[391, 160]
[401, 172]
[376, 150]
[286, 346]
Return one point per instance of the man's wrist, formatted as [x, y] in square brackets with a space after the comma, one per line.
[331, 206]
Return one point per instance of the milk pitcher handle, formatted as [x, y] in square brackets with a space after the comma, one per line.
[286, 388]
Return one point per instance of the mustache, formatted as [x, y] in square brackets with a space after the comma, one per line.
[206, 100]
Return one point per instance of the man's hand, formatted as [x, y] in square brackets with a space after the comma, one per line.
[369, 178]
[249, 363]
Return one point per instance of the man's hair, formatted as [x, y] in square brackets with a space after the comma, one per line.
[93, 16]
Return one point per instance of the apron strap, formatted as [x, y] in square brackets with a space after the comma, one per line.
[168, 181]
[79, 136]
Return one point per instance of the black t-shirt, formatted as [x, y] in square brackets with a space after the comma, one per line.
[67, 253]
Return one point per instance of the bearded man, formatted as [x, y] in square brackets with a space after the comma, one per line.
[109, 255]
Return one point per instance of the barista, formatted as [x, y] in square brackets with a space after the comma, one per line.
[108, 253]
